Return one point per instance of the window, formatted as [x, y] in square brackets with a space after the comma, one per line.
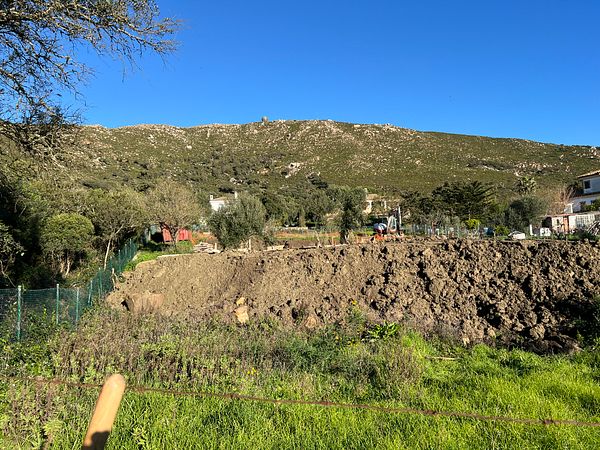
[583, 221]
[587, 184]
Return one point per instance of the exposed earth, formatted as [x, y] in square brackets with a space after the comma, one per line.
[530, 294]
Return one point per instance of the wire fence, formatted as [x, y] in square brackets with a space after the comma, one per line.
[26, 313]
[234, 396]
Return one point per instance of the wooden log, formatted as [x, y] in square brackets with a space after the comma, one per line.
[105, 413]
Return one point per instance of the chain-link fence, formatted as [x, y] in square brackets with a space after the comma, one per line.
[28, 313]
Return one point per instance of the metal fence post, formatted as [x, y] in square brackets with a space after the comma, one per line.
[90, 292]
[77, 306]
[19, 306]
[57, 302]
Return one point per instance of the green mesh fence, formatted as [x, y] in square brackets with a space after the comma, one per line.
[29, 313]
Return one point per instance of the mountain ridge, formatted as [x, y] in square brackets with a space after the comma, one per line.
[256, 155]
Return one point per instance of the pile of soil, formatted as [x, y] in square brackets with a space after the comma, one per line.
[531, 294]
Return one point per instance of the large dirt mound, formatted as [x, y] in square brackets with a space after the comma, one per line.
[524, 293]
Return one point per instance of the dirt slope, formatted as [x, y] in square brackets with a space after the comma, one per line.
[527, 294]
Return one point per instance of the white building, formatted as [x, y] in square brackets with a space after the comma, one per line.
[220, 202]
[569, 223]
[591, 192]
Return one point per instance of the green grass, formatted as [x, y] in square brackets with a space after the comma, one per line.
[345, 363]
[150, 253]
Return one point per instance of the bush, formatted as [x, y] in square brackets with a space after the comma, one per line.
[523, 212]
[472, 224]
[238, 222]
[501, 230]
[64, 238]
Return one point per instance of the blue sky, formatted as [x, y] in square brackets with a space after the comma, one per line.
[505, 68]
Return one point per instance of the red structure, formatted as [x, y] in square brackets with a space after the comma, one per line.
[183, 235]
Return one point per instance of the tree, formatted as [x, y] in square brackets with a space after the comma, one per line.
[559, 199]
[465, 200]
[473, 224]
[64, 238]
[115, 215]
[353, 201]
[280, 208]
[526, 186]
[524, 211]
[9, 250]
[238, 221]
[317, 205]
[38, 39]
[173, 206]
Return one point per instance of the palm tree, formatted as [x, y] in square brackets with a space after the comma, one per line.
[526, 185]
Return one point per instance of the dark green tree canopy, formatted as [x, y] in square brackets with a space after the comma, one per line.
[64, 237]
[466, 200]
[352, 201]
[116, 215]
[524, 211]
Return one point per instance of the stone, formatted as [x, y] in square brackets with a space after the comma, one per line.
[241, 314]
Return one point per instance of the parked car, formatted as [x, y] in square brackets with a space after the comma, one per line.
[517, 235]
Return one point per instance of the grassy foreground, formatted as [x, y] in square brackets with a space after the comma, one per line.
[348, 363]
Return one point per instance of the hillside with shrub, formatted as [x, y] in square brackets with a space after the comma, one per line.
[383, 158]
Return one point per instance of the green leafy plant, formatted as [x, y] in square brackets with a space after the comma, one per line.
[472, 224]
[383, 331]
[501, 230]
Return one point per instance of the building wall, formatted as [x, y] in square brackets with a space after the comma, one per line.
[577, 202]
[594, 185]
[217, 204]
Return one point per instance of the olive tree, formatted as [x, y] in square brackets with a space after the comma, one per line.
[352, 204]
[116, 215]
[64, 238]
[173, 206]
[39, 41]
[238, 222]
[524, 211]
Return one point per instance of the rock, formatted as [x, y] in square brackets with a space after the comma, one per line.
[311, 322]
[143, 302]
[537, 332]
[241, 314]
[240, 301]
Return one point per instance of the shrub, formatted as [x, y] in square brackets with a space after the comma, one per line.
[64, 238]
[501, 230]
[472, 224]
[238, 222]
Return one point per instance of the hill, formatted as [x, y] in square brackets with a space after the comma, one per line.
[254, 155]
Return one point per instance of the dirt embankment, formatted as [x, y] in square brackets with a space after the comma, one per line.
[524, 293]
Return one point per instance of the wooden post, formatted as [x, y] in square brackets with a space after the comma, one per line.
[105, 413]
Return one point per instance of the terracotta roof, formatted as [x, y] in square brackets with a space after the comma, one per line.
[591, 174]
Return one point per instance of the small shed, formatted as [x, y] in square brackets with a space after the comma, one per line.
[569, 223]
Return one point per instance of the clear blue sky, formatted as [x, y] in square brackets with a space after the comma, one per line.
[505, 68]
